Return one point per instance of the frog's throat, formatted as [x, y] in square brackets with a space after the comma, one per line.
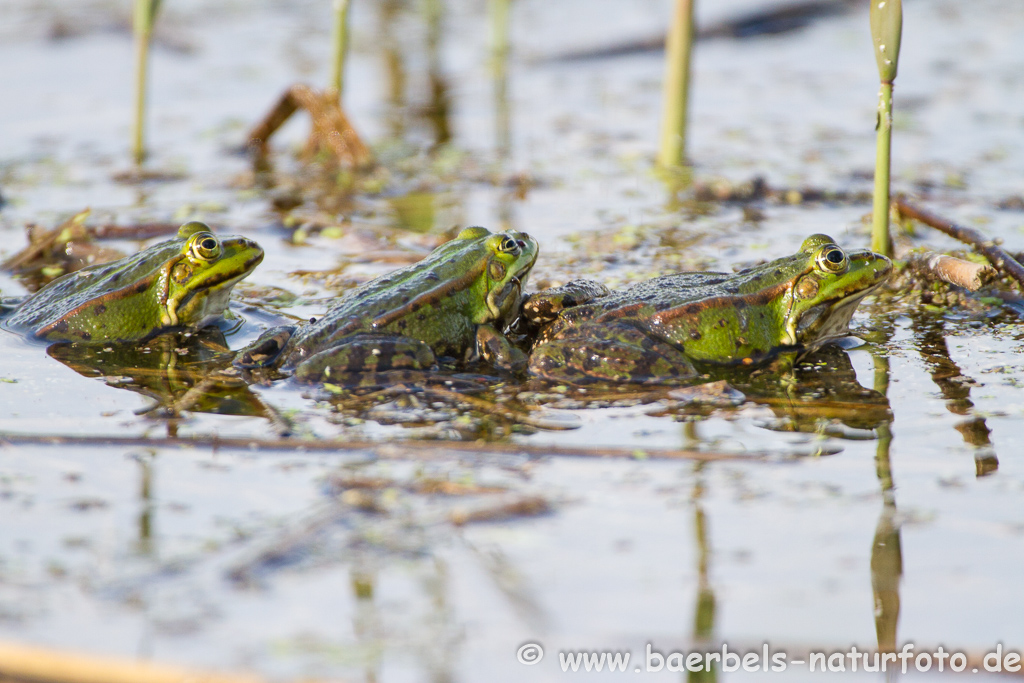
[497, 297]
[168, 305]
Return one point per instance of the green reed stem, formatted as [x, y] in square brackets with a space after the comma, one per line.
[881, 240]
[675, 105]
[886, 18]
[340, 46]
[143, 19]
[499, 72]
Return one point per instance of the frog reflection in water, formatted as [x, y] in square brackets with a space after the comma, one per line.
[455, 303]
[184, 282]
[179, 370]
[657, 331]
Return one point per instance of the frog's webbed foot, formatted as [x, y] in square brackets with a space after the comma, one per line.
[543, 307]
[266, 350]
[624, 355]
[495, 348]
[365, 353]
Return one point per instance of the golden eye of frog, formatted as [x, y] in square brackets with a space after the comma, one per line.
[455, 303]
[183, 282]
[655, 331]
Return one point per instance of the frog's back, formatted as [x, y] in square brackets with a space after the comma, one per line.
[643, 299]
[423, 300]
[67, 303]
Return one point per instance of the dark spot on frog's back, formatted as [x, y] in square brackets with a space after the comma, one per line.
[84, 336]
[433, 277]
[695, 335]
[99, 309]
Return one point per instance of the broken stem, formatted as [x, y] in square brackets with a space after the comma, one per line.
[966, 274]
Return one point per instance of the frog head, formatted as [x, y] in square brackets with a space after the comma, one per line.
[194, 285]
[505, 259]
[826, 291]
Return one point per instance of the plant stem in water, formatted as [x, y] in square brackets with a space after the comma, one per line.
[499, 71]
[886, 19]
[143, 20]
[678, 51]
[881, 241]
[340, 46]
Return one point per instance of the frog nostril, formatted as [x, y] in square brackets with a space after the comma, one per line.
[522, 244]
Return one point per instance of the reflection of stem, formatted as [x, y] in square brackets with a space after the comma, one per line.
[366, 621]
[145, 544]
[886, 571]
[704, 615]
[886, 550]
[956, 389]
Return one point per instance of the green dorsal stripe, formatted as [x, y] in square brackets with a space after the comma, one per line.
[136, 287]
[430, 296]
[760, 298]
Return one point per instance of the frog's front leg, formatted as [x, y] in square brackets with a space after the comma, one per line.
[495, 348]
[365, 353]
[615, 354]
[544, 306]
[266, 350]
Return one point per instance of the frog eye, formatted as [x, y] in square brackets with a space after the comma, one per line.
[203, 247]
[832, 259]
[509, 245]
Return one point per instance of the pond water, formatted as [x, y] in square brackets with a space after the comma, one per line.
[869, 498]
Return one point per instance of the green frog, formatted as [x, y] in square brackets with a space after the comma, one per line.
[661, 330]
[183, 282]
[455, 303]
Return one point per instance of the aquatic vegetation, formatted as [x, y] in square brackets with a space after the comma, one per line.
[676, 95]
[886, 30]
[143, 20]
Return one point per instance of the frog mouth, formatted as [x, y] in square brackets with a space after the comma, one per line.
[498, 299]
[827, 320]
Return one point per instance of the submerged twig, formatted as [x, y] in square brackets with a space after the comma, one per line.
[525, 506]
[392, 450]
[985, 246]
[966, 274]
